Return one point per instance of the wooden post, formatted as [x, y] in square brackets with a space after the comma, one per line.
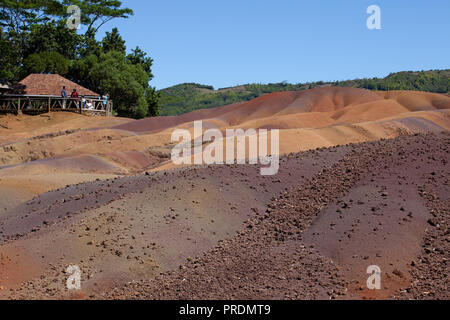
[19, 111]
[49, 104]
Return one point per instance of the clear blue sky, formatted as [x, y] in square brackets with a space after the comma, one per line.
[226, 43]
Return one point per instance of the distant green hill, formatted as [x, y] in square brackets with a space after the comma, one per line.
[188, 97]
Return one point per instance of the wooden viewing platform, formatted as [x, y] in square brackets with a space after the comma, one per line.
[41, 93]
[20, 104]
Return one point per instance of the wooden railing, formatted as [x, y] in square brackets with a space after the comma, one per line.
[43, 104]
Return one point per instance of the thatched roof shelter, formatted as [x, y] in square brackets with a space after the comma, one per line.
[49, 85]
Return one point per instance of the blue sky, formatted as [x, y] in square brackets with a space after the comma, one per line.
[226, 43]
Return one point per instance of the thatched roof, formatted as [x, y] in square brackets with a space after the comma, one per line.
[49, 85]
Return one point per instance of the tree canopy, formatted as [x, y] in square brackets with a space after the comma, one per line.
[95, 13]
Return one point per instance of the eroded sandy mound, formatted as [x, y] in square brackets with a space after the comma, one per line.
[14, 127]
[68, 147]
[342, 104]
[418, 101]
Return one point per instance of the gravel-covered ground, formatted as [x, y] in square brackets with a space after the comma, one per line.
[309, 233]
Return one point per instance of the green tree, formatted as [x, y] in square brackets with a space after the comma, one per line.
[138, 56]
[53, 36]
[16, 19]
[152, 96]
[90, 45]
[46, 62]
[95, 13]
[8, 58]
[18, 15]
[113, 42]
[127, 84]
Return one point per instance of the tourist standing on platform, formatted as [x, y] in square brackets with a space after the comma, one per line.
[105, 98]
[64, 96]
[75, 96]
